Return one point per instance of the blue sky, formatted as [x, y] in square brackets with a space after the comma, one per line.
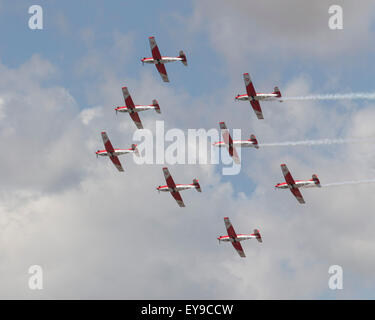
[66, 79]
[60, 43]
[60, 40]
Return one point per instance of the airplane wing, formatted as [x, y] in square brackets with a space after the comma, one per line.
[130, 105]
[175, 194]
[290, 181]
[298, 195]
[239, 249]
[157, 56]
[162, 72]
[109, 148]
[258, 111]
[116, 162]
[107, 143]
[137, 121]
[154, 49]
[128, 99]
[232, 234]
[229, 143]
[288, 177]
[252, 93]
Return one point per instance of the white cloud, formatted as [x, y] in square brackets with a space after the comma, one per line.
[90, 113]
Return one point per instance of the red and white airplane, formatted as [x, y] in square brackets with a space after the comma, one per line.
[230, 143]
[114, 153]
[159, 61]
[294, 185]
[133, 109]
[175, 188]
[235, 239]
[254, 97]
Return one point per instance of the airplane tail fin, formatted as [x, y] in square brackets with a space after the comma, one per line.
[257, 235]
[254, 140]
[134, 147]
[197, 185]
[156, 105]
[277, 91]
[183, 57]
[316, 180]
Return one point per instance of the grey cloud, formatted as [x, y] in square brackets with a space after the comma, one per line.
[243, 30]
[101, 234]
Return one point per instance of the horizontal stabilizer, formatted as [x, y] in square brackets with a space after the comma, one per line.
[134, 147]
[223, 126]
[197, 185]
[277, 91]
[156, 105]
[183, 57]
[254, 140]
[316, 180]
[257, 235]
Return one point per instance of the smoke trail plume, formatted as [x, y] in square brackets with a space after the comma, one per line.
[316, 142]
[337, 96]
[337, 184]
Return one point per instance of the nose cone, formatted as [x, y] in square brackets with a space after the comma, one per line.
[277, 185]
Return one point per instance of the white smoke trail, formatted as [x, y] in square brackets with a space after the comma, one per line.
[336, 96]
[336, 184]
[316, 142]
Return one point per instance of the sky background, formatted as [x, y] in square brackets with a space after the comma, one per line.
[101, 234]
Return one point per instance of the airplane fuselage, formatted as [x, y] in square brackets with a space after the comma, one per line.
[137, 108]
[237, 143]
[240, 237]
[298, 184]
[163, 60]
[179, 187]
[117, 152]
[258, 97]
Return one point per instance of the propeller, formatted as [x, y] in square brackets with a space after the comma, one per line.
[143, 63]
